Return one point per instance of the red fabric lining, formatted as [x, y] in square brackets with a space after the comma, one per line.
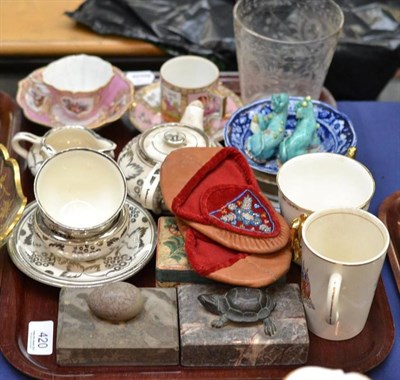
[205, 256]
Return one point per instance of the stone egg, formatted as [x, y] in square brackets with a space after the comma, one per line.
[116, 302]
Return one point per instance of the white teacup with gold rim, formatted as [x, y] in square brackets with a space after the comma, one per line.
[319, 181]
[80, 192]
[343, 251]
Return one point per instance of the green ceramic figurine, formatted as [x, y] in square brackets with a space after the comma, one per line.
[304, 136]
[268, 131]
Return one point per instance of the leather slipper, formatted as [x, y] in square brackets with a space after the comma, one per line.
[215, 191]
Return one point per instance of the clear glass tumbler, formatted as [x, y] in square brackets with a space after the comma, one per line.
[285, 45]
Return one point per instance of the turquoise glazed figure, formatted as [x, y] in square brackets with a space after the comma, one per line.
[304, 136]
[269, 130]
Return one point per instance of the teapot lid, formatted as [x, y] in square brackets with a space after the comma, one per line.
[156, 143]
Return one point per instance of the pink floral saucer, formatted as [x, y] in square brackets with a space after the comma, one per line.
[145, 111]
[45, 105]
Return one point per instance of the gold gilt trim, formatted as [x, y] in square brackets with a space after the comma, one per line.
[9, 198]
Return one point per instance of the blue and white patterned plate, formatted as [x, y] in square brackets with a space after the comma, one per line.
[336, 131]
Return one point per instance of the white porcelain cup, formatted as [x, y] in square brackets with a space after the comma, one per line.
[187, 78]
[343, 251]
[80, 191]
[319, 181]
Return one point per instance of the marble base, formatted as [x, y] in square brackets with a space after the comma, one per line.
[242, 344]
[151, 338]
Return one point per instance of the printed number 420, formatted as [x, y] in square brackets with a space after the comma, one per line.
[40, 338]
[43, 340]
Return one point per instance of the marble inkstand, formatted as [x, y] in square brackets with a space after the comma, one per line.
[242, 344]
[150, 338]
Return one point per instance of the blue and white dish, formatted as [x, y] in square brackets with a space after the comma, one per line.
[336, 131]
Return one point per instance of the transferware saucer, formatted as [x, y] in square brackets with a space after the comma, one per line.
[136, 249]
[145, 112]
[41, 106]
[335, 131]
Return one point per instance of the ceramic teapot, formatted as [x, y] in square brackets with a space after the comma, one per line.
[57, 140]
[140, 160]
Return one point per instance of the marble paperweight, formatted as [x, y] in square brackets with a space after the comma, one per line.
[242, 344]
[150, 338]
[172, 266]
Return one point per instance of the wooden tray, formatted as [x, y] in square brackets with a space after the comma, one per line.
[389, 213]
[23, 300]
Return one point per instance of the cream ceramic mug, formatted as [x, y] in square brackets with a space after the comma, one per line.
[343, 251]
[187, 78]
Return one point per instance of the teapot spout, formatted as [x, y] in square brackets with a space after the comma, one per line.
[193, 115]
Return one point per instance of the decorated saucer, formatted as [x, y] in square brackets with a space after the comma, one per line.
[145, 112]
[136, 249]
[335, 132]
[44, 105]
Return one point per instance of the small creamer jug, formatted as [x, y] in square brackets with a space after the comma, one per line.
[57, 140]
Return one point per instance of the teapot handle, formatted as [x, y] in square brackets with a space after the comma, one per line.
[149, 188]
[24, 136]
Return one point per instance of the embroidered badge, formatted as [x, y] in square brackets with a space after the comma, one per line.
[246, 212]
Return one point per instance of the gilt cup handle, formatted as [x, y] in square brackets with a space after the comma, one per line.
[296, 229]
[351, 152]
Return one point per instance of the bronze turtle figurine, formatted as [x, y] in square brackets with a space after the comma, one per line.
[241, 305]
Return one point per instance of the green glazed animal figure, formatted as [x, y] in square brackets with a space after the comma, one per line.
[304, 136]
[268, 131]
[241, 305]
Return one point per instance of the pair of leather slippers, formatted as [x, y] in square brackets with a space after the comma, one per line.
[232, 232]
